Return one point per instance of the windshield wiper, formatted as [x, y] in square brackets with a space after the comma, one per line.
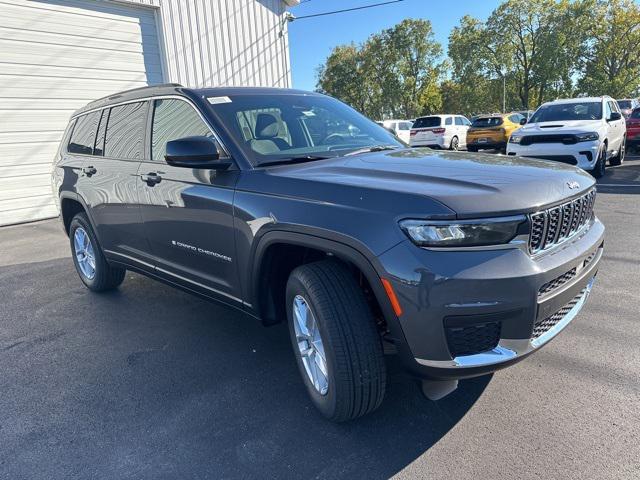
[373, 148]
[299, 159]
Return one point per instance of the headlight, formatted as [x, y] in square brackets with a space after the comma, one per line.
[587, 137]
[464, 233]
[515, 138]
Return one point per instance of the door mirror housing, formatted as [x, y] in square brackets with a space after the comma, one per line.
[523, 121]
[195, 152]
[615, 116]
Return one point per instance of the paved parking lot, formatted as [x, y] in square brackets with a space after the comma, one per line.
[149, 382]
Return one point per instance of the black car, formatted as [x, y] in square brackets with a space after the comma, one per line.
[291, 206]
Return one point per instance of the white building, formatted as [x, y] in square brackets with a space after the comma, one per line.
[57, 55]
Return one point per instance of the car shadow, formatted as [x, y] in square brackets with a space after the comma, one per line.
[150, 382]
[623, 179]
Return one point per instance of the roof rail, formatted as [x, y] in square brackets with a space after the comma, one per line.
[113, 96]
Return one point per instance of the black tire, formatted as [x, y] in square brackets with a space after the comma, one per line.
[353, 349]
[472, 149]
[619, 158]
[599, 167]
[455, 144]
[106, 277]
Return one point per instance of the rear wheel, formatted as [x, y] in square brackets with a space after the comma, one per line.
[335, 340]
[619, 158]
[472, 149]
[455, 144]
[599, 167]
[90, 263]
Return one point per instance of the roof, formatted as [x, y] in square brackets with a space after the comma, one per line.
[176, 88]
[578, 100]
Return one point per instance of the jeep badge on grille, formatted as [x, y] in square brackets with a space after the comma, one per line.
[573, 185]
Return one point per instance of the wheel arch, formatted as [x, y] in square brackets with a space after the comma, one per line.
[70, 205]
[269, 250]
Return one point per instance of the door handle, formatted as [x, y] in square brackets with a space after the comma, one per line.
[88, 171]
[151, 178]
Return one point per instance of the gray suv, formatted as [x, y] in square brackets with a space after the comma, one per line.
[292, 207]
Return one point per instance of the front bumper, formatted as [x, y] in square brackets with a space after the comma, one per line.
[475, 287]
[582, 154]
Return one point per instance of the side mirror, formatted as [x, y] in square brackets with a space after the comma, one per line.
[523, 121]
[195, 152]
[615, 116]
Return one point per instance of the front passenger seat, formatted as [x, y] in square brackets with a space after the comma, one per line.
[266, 139]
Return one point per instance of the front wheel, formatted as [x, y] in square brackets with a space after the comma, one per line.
[455, 144]
[472, 149]
[619, 158]
[599, 167]
[336, 343]
[90, 263]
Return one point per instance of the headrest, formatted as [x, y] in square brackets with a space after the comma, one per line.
[266, 126]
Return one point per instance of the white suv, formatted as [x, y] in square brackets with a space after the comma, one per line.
[441, 131]
[580, 131]
[400, 127]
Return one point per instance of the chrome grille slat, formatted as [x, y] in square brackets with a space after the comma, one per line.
[554, 225]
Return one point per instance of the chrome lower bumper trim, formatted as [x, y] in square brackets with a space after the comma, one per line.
[509, 349]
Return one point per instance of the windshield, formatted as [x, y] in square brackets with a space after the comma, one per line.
[624, 104]
[568, 111]
[281, 127]
[427, 122]
[635, 113]
[486, 122]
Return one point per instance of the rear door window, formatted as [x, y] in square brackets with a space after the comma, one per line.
[125, 128]
[84, 134]
[448, 121]
[427, 122]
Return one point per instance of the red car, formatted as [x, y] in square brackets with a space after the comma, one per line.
[633, 128]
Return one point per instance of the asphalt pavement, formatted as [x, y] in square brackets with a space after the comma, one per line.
[148, 382]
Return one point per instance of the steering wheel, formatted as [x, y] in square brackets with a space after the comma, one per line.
[333, 139]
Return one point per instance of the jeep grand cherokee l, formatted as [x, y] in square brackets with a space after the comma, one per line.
[290, 206]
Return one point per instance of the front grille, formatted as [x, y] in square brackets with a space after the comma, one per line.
[557, 282]
[565, 139]
[554, 225]
[543, 325]
[568, 159]
[472, 339]
[565, 277]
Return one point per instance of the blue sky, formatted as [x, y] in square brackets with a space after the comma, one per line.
[311, 40]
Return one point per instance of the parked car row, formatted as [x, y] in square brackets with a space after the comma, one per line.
[586, 132]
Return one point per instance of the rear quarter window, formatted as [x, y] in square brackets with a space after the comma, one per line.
[84, 134]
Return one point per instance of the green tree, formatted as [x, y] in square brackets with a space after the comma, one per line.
[536, 44]
[395, 73]
[612, 62]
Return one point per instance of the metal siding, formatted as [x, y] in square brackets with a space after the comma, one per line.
[57, 55]
[224, 42]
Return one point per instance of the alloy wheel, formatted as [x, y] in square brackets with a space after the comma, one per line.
[310, 345]
[85, 253]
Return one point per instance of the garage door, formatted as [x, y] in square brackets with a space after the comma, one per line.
[56, 56]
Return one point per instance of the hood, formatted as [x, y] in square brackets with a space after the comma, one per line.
[567, 126]
[470, 184]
